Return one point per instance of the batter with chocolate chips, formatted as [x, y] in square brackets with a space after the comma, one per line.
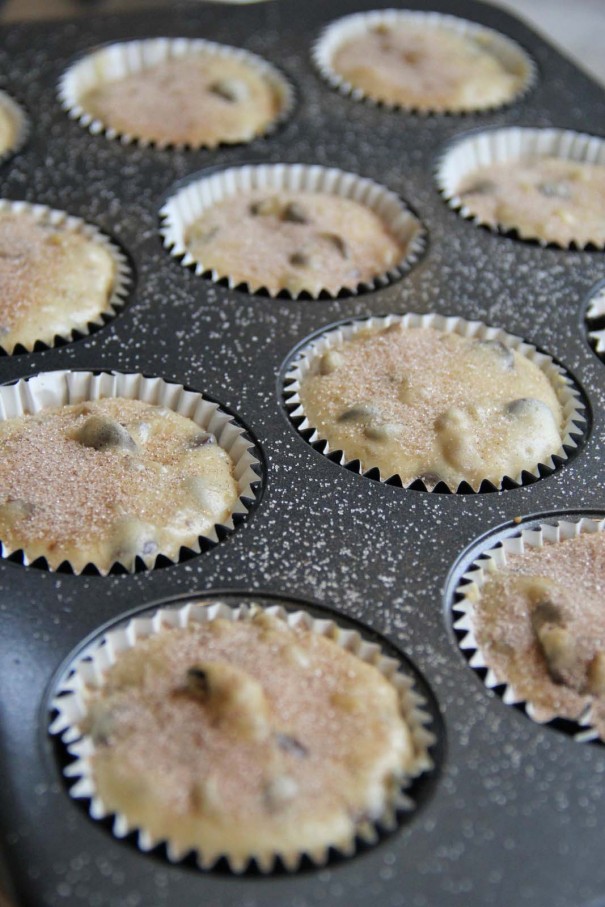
[198, 99]
[108, 482]
[548, 199]
[425, 404]
[53, 280]
[248, 738]
[540, 625]
[295, 241]
[427, 67]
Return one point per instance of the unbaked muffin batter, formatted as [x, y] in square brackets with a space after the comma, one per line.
[295, 241]
[53, 280]
[200, 99]
[539, 622]
[548, 199]
[426, 67]
[423, 403]
[247, 738]
[8, 129]
[108, 482]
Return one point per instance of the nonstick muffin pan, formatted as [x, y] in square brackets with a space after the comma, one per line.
[511, 813]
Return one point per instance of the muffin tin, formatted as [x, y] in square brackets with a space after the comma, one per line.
[511, 813]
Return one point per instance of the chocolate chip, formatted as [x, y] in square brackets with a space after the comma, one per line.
[295, 213]
[202, 439]
[231, 90]
[197, 681]
[265, 207]
[504, 354]
[337, 242]
[358, 413]
[546, 612]
[291, 745]
[299, 259]
[102, 433]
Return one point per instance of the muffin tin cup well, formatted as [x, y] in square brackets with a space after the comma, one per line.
[121, 59]
[506, 51]
[489, 559]
[87, 673]
[304, 359]
[20, 125]
[122, 281]
[49, 390]
[201, 192]
[513, 143]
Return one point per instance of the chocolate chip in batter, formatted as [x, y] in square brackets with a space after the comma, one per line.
[102, 433]
[232, 90]
[294, 213]
[337, 242]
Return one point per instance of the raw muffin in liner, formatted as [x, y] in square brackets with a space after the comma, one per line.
[542, 656]
[242, 846]
[112, 62]
[595, 317]
[309, 359]
[560, 206]
[53, 323]
[129, 543]
[264, 183]
[14, 127]
[510, 59]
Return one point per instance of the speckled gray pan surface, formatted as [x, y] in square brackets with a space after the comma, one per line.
[515, 812]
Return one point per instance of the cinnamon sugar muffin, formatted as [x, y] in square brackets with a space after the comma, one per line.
[436, 64]
[423, 403]
[295, 241]
[108, 481]
[53, 280]
[539, 623]
[249, 738]
[198, 95]
[546, 198]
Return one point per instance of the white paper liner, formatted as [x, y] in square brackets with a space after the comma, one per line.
[21, 123]
[506, 51]
[568, 395]
[594, 313]
[116, 61]
[122, 278]
[48, 390]
[189, 203]
[499, 146]
[88, 670]
[492, 558]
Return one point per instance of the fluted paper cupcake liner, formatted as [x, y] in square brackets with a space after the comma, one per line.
[121, 283]
[514, 143]
[506, 51]
[20, 122]
[49, 390]
[567, 393]
[122, 59]
[595, 317]
[87, 673]
[200, 194]
[492, 558]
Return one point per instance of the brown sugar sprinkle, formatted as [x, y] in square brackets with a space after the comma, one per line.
[65, 494]
[327, 742]
[52, 279]
[540, 625]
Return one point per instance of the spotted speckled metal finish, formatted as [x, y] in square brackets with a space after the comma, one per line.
[516, 817]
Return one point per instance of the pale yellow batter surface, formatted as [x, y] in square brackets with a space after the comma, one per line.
[422, 403]
[247, 738]
[108, 481]
[52, 280]
[540, 624]
[8, 130]
[548, 199]
[427, 68]
[200, 99]
[295, 241]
